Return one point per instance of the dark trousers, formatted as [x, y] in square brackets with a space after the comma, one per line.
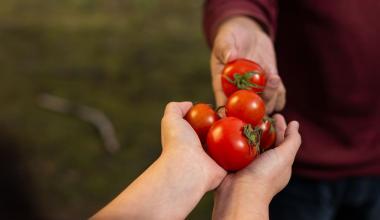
[305, 199]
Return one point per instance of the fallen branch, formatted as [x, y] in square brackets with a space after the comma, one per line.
[91, 115]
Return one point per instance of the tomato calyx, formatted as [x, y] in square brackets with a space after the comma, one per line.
[219, 108]
[242, 81]
[253, 135]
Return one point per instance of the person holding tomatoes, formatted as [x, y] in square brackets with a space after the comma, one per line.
[172, 186]
[327, 54]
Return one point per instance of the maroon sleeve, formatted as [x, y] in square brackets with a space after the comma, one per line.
[216, 11]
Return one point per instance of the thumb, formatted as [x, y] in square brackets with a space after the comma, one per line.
[177, 109]
[223, 52]
[225, 48]
[289, 147]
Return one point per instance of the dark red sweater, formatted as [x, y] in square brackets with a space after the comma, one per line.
[328, 56]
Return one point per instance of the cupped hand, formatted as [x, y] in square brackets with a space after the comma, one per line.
[179, 140]
[249, 191]
[242, 37]
[178, 178]
[271, 171]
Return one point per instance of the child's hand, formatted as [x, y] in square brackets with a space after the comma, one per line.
[173, 185]
[180, 140]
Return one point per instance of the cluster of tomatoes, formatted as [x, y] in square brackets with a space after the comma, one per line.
[236, 140]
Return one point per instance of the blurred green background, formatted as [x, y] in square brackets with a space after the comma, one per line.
[127, 58]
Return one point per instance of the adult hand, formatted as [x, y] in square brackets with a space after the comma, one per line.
[242, 37]
[247, 193]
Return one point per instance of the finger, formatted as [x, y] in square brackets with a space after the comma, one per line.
[177, 109]
[269, 107]
[280, 126]
[271, 92]
[289, 147]
[216, 68]
[220, 98]
[281, 99]
[225, 48]
[272, 86]
[218, 92]
[223, 52]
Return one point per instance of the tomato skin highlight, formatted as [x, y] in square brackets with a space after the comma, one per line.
[201, 117]
[247, 106]
[268, 135]
[228, 146]
[242, 67]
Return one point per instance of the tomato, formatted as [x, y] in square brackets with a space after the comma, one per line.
[232, 143]
[246, 105]
[268, 135]
[201, 117]
[243, 74]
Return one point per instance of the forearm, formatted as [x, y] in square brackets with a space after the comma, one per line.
[240, 200]
[163, 191]
[217, 11]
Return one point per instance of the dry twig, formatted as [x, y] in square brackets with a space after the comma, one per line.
[91, 115]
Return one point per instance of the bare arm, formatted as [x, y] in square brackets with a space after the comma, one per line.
[172, 186]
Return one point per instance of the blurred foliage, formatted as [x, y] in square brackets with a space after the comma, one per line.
[127, 58]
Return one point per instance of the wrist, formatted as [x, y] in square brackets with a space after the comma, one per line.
[247, 189]
[238, 198]
[196, 165]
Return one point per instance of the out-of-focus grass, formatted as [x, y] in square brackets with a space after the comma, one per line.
[126, 58]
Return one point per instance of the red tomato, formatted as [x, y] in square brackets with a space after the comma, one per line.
[246, 105]
[201, 117]
[232, 143]
[268, 136]
[243, 74]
